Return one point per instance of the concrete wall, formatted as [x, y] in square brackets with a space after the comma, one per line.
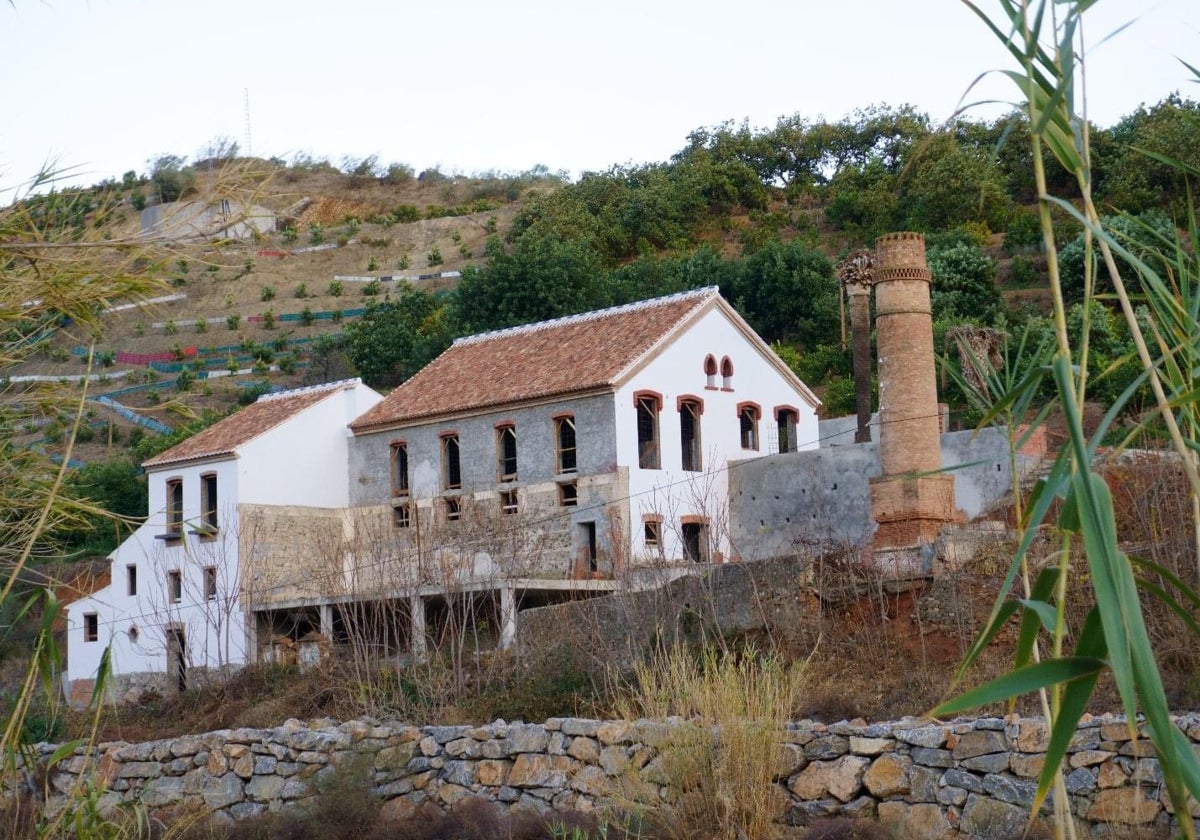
[822, 497]
[971, 778]
[594, 435]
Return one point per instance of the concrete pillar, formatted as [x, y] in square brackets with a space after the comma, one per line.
[910, 505]
[327, 621]
[416, 612]
[508, 617]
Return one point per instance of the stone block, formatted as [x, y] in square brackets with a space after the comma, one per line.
[927, 757]
[888, 775]
[585, 749]
[919, 822]
[460, 773]
[140, 770]
[613, 732]
[841, 778]
[985, 817]
[531, 770]
[923, 736]
[165, 790]
[265, 788]
[222, 792]
[1026, 766]
[1127, 806]
[980, 742]
[526, 738]
[493, 772]
[870, 746]
[826, 747]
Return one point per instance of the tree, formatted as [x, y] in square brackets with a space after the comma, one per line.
[946, 183]
[173, 179]
[117, 487]
[1129, 178]
[395, 339]
[964, 284]
[788, 293]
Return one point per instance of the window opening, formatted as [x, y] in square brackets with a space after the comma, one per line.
[175, 506]
[91, 627]
[689, 435]
[506, 452]
[401, 517]
[399, 460]
[210, 583]
[588, 538]
[208, 502]
[174, 587]
[748, 420]
[131, 579]
[568, 494]
[451, 466]
[694, 538]
[787, 420]
[508, 502]
[727, 374]
[647, 430]
[564, 439]
[453, 510]
[652, 534]
[710, 372]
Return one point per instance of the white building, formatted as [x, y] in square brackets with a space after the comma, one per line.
[173, 603]
[520, 467]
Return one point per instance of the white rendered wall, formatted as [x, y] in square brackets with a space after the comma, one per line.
[303, 461]
[679, 371]
[213, 628]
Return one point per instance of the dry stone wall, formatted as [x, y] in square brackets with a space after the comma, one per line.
[971, 778]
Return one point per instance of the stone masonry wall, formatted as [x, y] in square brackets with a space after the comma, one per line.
[970, 778]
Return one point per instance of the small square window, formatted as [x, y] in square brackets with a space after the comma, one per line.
[175, 587]
[91, 627]
[210, 583]
[653, 533]
[401, 515]
[453, 509]
[508, 501]
[568, 494]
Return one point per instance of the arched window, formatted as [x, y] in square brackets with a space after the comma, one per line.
[690, 409]
[726, 374]
[710, 371]
[786, 418]
[748, 415]
[648, 405]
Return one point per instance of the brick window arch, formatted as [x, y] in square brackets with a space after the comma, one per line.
[786, 419]
[726, 374]
[648, 405]
[749, 414]
[710, 371]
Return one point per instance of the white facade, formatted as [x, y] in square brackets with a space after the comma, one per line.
[173, 601]
[676, 497]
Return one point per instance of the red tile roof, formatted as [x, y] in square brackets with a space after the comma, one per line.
[225, 436]
[552, 358]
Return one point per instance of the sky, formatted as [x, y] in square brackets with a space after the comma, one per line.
[105, 86]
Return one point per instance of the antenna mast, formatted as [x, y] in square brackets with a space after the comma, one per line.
[246, 100]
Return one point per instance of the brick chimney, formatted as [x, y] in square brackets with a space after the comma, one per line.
[909, 502]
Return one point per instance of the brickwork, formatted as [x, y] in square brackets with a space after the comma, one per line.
[904, 506]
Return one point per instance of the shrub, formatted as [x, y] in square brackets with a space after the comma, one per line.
[136, 435]
[490, 227]
[287, 364]
[372, 288]
[138, 199]
[335, 289]
[434, 257]
[301, 291]
[1023, 273]
[455, 236]
[185, 379]
[290, 235]
[402, 263]
[268, 320]
[201, 325]
[169, 328]
[139, 329]
[268, 293]
[336, 316]
[316, 234]
[372, 264]
[406, 213]
[248, 265]
[233, 321]
[464, 251]
[152, 397]
[307, 317]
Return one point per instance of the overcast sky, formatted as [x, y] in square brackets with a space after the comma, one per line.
[469, 85]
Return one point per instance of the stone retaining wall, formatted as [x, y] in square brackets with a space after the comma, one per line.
[971, 778]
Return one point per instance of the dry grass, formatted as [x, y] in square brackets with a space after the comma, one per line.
[721, 765]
